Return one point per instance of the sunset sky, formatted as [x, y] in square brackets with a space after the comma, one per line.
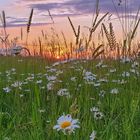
[80, 11]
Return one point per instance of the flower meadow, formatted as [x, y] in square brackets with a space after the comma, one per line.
[69, 99]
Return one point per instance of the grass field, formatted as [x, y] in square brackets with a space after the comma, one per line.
[103, 95]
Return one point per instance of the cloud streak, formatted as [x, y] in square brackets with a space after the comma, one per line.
[64, 8]
[87, 6]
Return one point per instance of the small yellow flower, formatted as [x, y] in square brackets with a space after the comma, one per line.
[65, 124]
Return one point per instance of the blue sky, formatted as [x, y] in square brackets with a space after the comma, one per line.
[4, 2]
[17, 11]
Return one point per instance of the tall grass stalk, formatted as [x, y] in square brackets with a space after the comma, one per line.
[29, 24]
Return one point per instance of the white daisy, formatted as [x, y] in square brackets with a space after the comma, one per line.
[112, 70]
[7, 89]
[66, 124]
[51, 70]
[93, 135]
[17, 84]
[89, 77]
[51, 78]
[125, 74]
[114, 91]
[135, 64]
[50, 86]
[39, 81]
[13, 69]
[99, 64]
[63, 92]
[94, 109]
[97, 84]
[41, 110]
[73, 79]
[98, 115]
[126, 60]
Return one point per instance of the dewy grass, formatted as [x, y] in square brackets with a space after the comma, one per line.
[103, 96]
[72, 99]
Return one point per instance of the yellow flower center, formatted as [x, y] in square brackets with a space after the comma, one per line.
[65, 124]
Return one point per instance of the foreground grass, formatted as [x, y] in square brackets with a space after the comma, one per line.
[31, 108]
